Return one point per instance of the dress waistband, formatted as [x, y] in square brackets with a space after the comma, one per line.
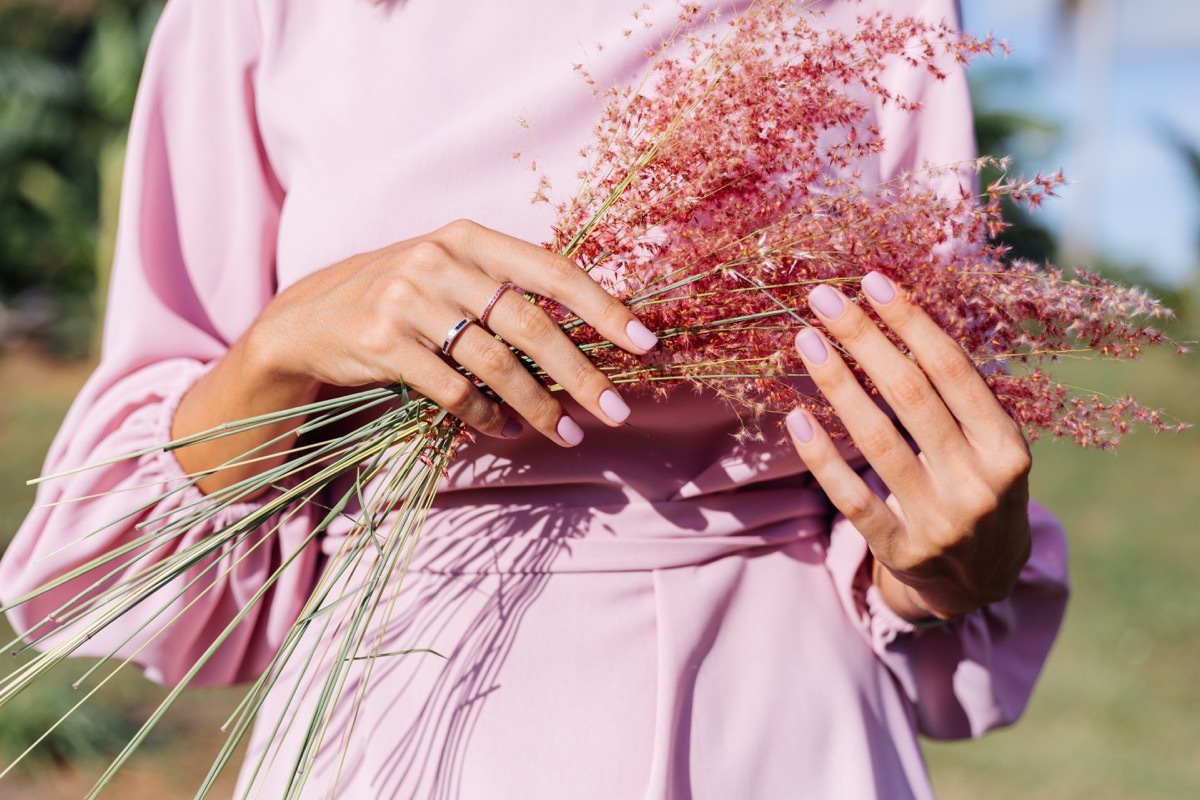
[465, 537]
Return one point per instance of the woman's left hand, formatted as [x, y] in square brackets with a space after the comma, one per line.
[954, 533]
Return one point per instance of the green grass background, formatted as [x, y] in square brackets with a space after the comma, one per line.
[1117, 711]
[1116, 715]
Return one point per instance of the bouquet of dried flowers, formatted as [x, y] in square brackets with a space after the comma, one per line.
[748, 214]
[714, 233]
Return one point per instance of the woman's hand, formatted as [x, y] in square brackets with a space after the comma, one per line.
[954, 533]
[387, 316]
[384, 316]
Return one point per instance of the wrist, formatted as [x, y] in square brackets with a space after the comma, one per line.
[262, 362]
[904, 601]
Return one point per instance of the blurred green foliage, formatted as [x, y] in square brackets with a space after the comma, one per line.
[94, 732]
[68, 75]
[995, 131]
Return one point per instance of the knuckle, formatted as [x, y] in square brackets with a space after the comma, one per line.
[559, 274]
[978, 499]
[835, 381]
[460, 230]
[533, 322]
[489, 418]
[401, 293]
[905, 314]
[857, 504]
[378, 336]
[1009, 460]
[819, 457]
[494, 359]
[909, 388]
[987, 505]
[427, 256]
[953, 365]
[611, 313]
[457, 397]
[1018, 462]
[938, 539]
[854, 327]
[880, 441]
[586, 376]
[1019, 458]
[543, 412]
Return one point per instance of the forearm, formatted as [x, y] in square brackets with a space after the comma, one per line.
[244, 383]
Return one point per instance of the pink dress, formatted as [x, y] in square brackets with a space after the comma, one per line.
[659, 613]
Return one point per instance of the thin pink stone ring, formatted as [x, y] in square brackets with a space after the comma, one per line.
[504, 287]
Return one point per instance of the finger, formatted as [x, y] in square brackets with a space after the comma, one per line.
[494, 363]
[845, 488]
[873, 432]
[532, 331]
[551, 275]
[521, 324]
[950, 370]
[900, 381]
[450, 389]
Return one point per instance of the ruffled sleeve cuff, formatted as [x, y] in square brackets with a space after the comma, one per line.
[977, 672]
[885, 623]
[168, 632]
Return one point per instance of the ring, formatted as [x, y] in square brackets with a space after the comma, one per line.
[504, 287]
[454, 333]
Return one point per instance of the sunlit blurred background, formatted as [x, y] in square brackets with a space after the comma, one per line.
[1109, 90]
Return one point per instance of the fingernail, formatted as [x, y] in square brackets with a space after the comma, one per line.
[801, 428]
[512, 429]
[569, 430]
[878, 288]
[828, 302]
[613, 406]
[640, 335]
[812, 346]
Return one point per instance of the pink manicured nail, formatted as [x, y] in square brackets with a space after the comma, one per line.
[801, 428]
[878, 288]
[512, 429]
[828, 302]
[569, 430]
[613, 406]
[640, 335]
[812, 346]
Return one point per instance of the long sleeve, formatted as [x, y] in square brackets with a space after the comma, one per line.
[194, 266]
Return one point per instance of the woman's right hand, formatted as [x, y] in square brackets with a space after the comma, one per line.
[383, 316]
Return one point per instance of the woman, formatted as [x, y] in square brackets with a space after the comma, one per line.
[652, 612]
